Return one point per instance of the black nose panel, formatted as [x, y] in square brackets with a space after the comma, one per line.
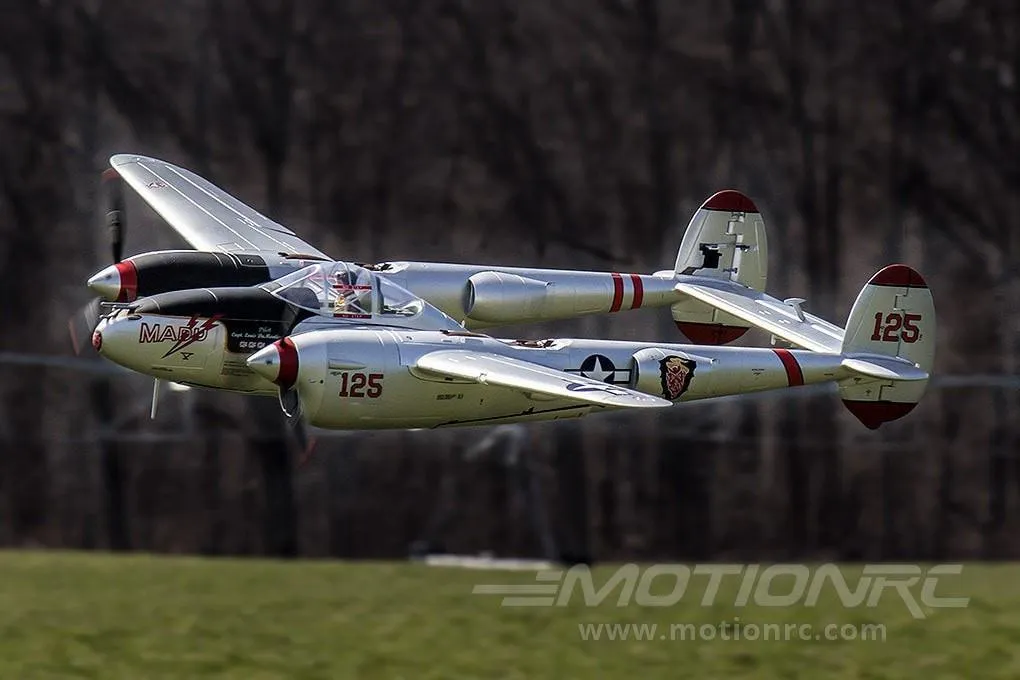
[253, 318]
[164, 271]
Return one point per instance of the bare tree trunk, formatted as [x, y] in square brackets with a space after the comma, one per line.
[572, 479]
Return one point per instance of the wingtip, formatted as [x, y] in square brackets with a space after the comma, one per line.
[648, 402]
[119, 160]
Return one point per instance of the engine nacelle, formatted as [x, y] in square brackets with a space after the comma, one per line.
[167, 270]
[663, 373]
[497, 297]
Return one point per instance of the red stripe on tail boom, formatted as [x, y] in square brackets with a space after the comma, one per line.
[639, 291]
[617, 292]
[794, 376]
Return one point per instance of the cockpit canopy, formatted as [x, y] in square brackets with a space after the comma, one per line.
[343, 290]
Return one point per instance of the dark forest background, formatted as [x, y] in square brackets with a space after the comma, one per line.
[566, 133]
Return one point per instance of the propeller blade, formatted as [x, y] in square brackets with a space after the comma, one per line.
[305, 444]
[290, 404]
[83, 322]
[113, 187]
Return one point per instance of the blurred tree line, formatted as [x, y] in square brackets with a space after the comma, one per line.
[573, 133]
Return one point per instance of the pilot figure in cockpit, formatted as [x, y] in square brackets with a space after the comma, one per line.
[353, 292]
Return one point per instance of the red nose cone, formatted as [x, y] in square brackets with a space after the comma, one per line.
[288, 363]
[277, 363]
[128, 281]
[116, 283]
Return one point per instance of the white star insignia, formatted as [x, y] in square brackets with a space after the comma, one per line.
[599, 372]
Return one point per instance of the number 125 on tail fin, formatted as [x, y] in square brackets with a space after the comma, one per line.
[896, 326]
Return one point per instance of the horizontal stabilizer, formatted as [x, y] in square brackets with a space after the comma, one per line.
[782, 319]
[493, 369]
[884, 368]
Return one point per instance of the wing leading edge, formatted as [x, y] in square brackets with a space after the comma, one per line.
[206, 217]
[493, 369]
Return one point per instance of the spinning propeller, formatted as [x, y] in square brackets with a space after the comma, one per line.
[278, 363]
[113, 191]
[290, 404]
[84, 321]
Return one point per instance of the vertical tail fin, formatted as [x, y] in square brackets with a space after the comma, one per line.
[725, 240]
[893, 317]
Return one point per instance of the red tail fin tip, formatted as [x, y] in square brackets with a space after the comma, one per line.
[730, 200]
[898, 275]
[874, 413]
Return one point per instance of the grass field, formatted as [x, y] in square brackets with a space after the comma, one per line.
[98, 616]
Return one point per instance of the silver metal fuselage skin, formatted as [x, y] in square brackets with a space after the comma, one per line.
[329, 357]
[565, 293]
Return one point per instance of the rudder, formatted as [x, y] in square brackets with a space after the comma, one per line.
[725, 240]
[893, 316]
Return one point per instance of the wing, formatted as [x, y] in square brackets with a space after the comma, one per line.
[493, 369]
[206, 216]
[781, 319]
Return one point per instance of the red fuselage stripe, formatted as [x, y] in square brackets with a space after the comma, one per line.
[617, 292]
[794, 376]
[639, 291]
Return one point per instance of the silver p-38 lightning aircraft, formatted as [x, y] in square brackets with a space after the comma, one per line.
[394, 344]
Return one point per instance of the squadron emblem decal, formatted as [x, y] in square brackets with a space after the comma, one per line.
[676, 374]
